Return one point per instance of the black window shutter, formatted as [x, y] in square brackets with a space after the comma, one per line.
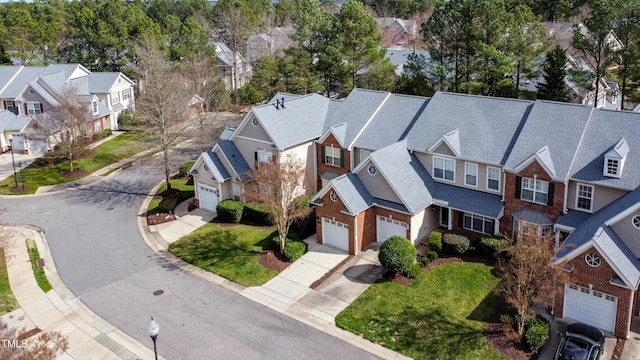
[518, 186]
[341, 158]
[41, 108]
[322, 154]
[550, 194]
[460, 219]
[256, 156]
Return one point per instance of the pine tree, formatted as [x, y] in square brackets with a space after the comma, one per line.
[555, 70]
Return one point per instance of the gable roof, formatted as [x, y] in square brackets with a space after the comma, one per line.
[404, 173]
[11, 122]
[351, 191]
[302, 119]
[606, 128]
[235, 159]
[559, 128]
[103, 82]
[595, 231]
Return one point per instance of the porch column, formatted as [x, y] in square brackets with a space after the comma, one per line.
[450, 219]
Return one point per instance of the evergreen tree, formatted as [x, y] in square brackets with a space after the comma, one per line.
[555, 71]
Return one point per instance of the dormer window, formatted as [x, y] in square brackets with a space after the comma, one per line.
[614, 159]
[94, 106]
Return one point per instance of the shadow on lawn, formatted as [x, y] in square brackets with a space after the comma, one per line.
[440, 336]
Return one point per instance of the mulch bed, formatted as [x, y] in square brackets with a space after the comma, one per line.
[159, 218]
[19, 189]
[274, 260]
[73, 174]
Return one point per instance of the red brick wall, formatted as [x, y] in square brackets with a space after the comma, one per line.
[331, 141]
[512, 204]
[582, 275]
[333, 210]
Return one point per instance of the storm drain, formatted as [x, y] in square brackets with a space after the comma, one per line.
[158, 292]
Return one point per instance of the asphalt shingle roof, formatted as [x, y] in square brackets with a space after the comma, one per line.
[302, 119]
[355, 197]
[392, 122]
[356, 110]
[469, 200]
[557, 126]
[532, 216]
[486, 125]
[606, 128]
[237, 162]
[219, 172]
[10, 122]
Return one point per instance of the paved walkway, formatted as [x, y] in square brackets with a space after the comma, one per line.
[59, 310]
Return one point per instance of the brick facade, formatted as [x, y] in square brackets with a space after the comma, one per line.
[322, 167]
[599, 278]
[333, 210]
[513, 204]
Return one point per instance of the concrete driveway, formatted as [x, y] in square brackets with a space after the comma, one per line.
[6, 165]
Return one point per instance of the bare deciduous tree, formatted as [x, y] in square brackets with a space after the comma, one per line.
[210, 96]
[234, 32]
[162, 104]
[279, 185]
[66, 125]
[43, 346]
[528, 279]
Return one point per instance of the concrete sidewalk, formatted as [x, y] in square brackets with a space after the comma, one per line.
[58, 310]
[289, 292]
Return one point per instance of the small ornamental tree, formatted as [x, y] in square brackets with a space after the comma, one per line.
[278, 186]
[527, 277]
[397, 254]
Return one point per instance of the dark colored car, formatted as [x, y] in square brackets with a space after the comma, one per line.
[580, 342]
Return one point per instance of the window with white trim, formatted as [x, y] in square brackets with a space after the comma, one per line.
[444, 168]
[612, 167]
[115, 99]
[332, 156]
[97, 127]
[94, 107]
[471, 174]
[126, 94]
[9, 104]
[535, 190]
[478, 223]
[264, 156]
[364, 154]
[584, 197]
[493, 178]
[33, 108]
[545, 230]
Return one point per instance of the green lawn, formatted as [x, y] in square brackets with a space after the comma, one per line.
[8, 302]
[441, 315]
[229, 251]
[162, 205]
[116, 149]
[38, 271]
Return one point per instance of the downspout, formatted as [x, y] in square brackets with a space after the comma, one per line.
[630, 319]
[355, 236]
[564, 203]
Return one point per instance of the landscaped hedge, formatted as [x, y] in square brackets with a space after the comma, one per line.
[397, 254]
[435, 241]
[455, 244]
[414, 271]
[304, 227]
[230, 211]
[184, 168]
[257, 212]
[293, 250]
[536, 332]
[490, 246]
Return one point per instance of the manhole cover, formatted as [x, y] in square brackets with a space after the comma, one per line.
[109, 209]
[158, 292]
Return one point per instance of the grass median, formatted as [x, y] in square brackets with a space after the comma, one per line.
[8, 302]
[38, 271]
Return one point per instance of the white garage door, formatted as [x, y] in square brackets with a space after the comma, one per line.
[335, 233]
[590, 307]
[387, 228]
[208, 197]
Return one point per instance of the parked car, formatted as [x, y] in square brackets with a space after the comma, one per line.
[580, 342]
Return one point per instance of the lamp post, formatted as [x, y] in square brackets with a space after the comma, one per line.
[13, 162]
[154, 328]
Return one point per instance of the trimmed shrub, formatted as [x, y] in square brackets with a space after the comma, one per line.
[306, 226]
[455, 244]
[414, 271]
[435, 241]
[397, 254]
[184, 168]
[490, 246]
[293, 250]
[425, 261]
[432, 255]
[257, 212]
[230, 211]
[536, 333]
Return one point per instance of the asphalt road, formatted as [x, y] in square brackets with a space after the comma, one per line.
[103, 260]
